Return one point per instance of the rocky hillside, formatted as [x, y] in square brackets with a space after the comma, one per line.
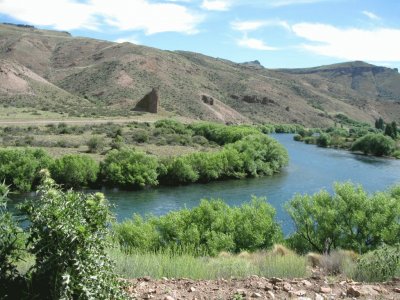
[52, 70]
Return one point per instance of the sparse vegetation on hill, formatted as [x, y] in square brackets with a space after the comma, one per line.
[108, 79]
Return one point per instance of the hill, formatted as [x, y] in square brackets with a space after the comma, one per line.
[50, 70]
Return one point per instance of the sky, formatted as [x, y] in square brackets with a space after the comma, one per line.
[278, 33]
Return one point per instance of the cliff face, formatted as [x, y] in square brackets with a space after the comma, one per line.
[113, 77]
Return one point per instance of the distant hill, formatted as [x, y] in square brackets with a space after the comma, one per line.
[80, 76]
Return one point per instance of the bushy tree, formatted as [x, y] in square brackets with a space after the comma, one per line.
[380, 124]
[349, 219]
[178, 170]
[375, 144]
[391, 130]
[68, 236]
[73, 170]
[261, 155]
[129, 168]
[209, 228]
[324, 140]
[19, 167]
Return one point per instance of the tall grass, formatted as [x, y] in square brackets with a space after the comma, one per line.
[170, 265]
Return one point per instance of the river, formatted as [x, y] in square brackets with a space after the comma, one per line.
[310, 169]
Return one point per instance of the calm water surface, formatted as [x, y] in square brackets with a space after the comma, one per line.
[310, 169]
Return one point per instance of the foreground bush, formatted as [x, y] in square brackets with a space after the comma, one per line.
[68, 236]
[19, 167]
[75, 171]
[379, 265]
[10, 250]
[350, 219]
[130, 169]
[210, 228]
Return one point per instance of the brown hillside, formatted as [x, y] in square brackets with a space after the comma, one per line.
[88, 76]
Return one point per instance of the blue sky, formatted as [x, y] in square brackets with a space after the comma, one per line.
[278, 33]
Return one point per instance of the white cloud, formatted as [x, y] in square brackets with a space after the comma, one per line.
[219, 5]
[370, 15]
[380, 44]
[125, 15]
[256, 44]
[60, 14]
[278, 3]
[255, 25]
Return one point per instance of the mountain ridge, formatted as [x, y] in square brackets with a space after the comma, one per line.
[106, 77]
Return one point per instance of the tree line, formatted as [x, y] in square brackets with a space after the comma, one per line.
[244, 152]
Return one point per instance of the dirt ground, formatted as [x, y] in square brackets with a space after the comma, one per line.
[254, 287]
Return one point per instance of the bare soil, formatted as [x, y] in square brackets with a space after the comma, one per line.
[254, 287]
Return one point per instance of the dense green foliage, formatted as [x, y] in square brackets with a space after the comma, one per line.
[222, 134]
[68, 238]
[10, 250]
[349, 219]
[375, 144]
[129, 168]
[379, 265]
[75, 170]
[324, 140]
[210, 228]
[244, 151]
[19, 167]
[254, 155]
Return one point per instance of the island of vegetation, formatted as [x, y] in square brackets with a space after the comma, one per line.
[218, 152]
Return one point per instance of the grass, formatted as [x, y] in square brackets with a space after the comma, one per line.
[167, 264]
[185, 265]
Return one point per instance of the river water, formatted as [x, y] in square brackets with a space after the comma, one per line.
[310, 169]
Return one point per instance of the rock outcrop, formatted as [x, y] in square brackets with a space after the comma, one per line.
[207, 99]
[149, 103]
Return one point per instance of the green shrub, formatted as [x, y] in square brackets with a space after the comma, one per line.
[172, 126]
[140, 136]
[10, 250]
[19, 167]
[95, 144]
[379, 265]
[324, 140]
[178, 170]
[68, 237]
[117, 143]
[74, 170]
[260, 154]
[349, 219]
[375, 144]
[222, 134]
[297, 138]
[210, 228]
[129, 168]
